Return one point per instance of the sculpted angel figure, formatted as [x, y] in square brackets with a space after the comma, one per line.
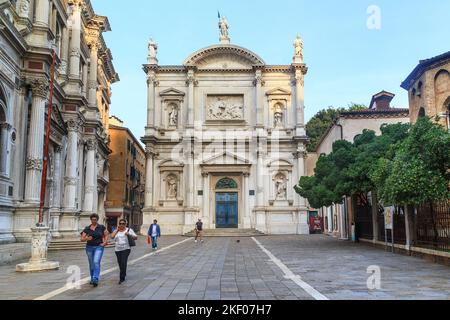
[298, 44]
[223, 25]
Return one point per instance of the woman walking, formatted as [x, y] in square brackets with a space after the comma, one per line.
[96, 238]
[122, 238]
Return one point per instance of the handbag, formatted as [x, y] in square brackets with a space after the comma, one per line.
[131, 241]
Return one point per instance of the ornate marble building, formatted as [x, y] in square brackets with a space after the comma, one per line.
[225, 141]
[78, 168]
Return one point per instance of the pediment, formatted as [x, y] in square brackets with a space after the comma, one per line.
[224, 57]
[172, 92]
[280, 163]
[278, 92]
[170, 163]
[226, 158]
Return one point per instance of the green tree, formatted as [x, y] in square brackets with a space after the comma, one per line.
[419, 172]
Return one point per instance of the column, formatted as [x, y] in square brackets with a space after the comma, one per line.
[300, 100]
[85, 80]
[75, 40]
[301, 169]
[190, 186]
[205, 214]
[245, 198]
[42, 13]
[36, 133]
[260, 179]
[89, 192]
[71, 178]
[148, 199]
[3, 147]
[375, 216]
[93, 85]
[151, 81]
[191, 84]
[64, 51]
[258, 99]
[57, 178]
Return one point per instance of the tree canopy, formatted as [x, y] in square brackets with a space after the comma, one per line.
[404, 165]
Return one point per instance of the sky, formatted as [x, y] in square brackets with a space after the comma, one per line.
[351, 54]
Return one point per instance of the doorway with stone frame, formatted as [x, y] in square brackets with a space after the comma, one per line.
[227, 201]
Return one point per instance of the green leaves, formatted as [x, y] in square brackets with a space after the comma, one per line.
[405, 165]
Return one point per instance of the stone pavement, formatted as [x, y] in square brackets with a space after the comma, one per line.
[223, 268]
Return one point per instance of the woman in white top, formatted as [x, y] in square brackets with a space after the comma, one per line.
[123, 248]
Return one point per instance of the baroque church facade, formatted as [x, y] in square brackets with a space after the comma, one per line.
[78, 171]
[225, 141]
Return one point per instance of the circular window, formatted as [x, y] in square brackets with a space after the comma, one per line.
[13, 136]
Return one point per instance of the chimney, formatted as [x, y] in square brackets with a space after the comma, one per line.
[381, 101]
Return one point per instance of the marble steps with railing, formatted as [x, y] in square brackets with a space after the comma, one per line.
[228, 233]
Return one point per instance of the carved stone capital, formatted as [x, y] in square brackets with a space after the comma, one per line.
[92, 84]
[39, 87]
[259, 80]
[73, 125]
[91, 144]
[70, 181]
[34, 164]
[190, 80]
[74, 52]
[152, 78]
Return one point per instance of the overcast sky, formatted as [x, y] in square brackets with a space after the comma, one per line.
[348, 61]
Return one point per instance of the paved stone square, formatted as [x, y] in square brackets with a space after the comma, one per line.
[223, 268]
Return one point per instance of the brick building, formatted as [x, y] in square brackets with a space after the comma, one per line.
[125, 196]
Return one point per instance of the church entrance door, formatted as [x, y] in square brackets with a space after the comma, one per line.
[227, 203]
[227, 210]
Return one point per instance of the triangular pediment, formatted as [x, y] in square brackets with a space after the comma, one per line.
[278, 92]
[172, 92]
[225, 158]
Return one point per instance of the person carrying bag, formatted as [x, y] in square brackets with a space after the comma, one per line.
[124, 238]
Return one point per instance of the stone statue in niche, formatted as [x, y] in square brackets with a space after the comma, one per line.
[172, 188]
[278, 117]
[173, 116]
[280, 186]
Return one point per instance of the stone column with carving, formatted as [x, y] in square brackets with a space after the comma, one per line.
[71, 177]
[56, 204]
[75, 42]
[259, 83]
[84, 90]
[92, 82]
[152, 82]
[301, 155]
[4, 128]
[191, 82]
[205, 214]
[64, 52]
[42, 13]
[89, 184]
[39, 87]
[245, 197]
[300, 72]
[149, 180]
[260, 178]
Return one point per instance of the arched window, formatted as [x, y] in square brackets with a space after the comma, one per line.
[226, 183]
[419, 89]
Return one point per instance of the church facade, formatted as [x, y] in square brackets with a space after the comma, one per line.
[225, 141]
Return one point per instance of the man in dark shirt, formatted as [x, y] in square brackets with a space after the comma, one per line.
[199, 231]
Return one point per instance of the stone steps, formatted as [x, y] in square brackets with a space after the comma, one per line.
[75, 244]
[228, 233]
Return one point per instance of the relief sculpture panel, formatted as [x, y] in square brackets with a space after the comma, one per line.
[225, 107]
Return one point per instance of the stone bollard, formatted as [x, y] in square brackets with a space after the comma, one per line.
[39, 249]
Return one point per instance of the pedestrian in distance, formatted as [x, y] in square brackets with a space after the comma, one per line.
[199, 231]
[124, 238]
[96, 238]
[154, 232]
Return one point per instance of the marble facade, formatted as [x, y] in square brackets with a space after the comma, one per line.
[78, 159]
[225, 125]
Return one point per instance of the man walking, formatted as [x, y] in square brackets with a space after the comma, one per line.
[199, 231]
[154, 232]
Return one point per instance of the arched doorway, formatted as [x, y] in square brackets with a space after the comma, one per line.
[227, 198]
